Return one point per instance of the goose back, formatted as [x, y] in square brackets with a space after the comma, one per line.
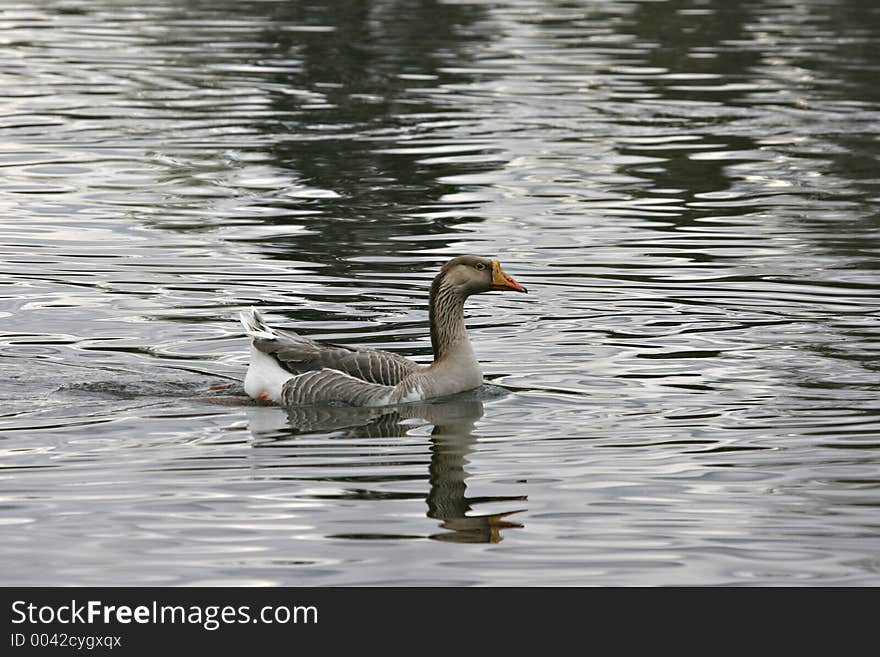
[299, 355]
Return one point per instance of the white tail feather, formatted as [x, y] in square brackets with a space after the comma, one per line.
[255, 326]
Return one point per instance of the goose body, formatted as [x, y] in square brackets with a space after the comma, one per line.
[289, 369]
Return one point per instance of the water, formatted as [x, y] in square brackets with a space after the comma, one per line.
[689, 189]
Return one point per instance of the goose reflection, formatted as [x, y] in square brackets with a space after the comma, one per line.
[452, 439]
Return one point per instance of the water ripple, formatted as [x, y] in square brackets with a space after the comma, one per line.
[688, 395]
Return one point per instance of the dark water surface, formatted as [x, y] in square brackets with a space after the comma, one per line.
[690, 190]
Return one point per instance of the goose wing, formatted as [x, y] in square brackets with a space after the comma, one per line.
[329, 386]
[299, 355]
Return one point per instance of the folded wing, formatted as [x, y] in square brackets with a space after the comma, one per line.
[329, 386]
[298, 355]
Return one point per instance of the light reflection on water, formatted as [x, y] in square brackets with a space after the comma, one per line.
[688, 189]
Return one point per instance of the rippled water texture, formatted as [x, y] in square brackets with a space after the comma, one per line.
[688, 395]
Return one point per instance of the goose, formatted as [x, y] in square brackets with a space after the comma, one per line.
[291, 370]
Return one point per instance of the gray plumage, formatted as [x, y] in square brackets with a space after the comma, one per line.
[299, 355]
[293, 370]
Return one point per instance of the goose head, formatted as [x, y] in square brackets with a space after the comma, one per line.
[467, 275]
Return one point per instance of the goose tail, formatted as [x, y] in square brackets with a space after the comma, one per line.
[255, 326]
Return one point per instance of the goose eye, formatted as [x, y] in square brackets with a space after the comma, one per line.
[480, 266]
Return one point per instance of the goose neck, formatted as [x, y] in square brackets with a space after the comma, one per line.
[448, 331]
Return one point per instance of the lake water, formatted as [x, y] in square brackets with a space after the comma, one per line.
[690, 393]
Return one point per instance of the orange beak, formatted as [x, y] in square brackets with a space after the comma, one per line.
[501, 281]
